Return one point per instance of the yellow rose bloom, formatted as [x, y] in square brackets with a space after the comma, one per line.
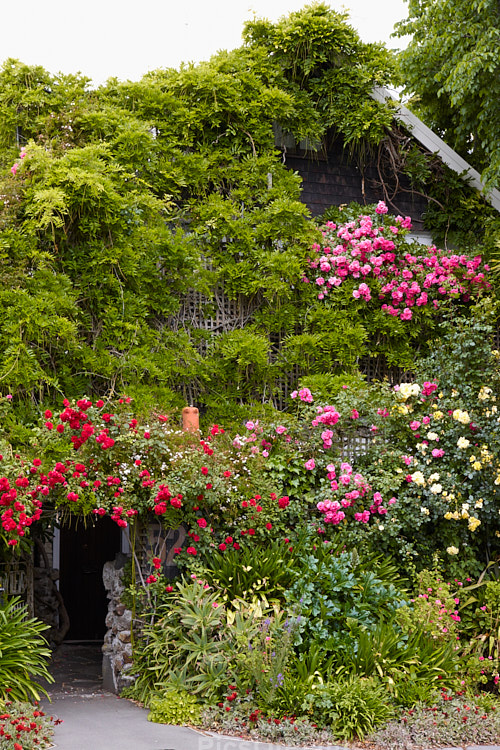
[473, 523]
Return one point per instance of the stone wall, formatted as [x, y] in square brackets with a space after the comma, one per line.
[117, 648]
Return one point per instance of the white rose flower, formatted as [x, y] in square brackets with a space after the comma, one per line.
[484, 393]
[408, 389]
[418, 478]
[461, 416]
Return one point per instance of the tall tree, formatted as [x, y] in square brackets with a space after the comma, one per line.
[452, 65]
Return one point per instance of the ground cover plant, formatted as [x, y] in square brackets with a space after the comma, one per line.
[24, 726]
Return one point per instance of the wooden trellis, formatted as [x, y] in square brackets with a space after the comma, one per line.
[16, 579]
[219, 314]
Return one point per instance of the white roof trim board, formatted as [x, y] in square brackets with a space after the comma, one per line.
[435, 144]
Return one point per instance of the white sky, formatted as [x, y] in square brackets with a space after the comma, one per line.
[105, 38]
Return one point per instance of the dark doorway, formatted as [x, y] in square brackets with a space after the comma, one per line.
[84, 550]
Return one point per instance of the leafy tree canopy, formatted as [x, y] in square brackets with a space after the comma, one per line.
[452, 66]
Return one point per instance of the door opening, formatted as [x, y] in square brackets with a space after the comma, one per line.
[83, 551]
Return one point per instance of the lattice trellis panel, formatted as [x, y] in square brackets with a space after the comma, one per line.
[16, 579]
[217, 314]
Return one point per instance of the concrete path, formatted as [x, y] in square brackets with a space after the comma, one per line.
[105, 722]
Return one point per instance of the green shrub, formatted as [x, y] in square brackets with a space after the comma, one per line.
[175, 707]
[352, 708]
[187, 647]
[396, 658]
[251, 572]
[23, 653]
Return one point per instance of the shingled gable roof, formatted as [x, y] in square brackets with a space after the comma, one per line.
[436, 145]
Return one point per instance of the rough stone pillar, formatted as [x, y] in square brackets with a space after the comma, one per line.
[117, 648]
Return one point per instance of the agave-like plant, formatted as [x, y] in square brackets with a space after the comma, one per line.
[24, 653]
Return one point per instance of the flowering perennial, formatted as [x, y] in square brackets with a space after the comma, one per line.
[384, 266]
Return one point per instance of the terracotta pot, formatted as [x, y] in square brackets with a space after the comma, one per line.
[190, 419]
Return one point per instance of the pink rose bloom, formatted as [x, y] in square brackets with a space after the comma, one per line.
[310, 465]
[363, 517]
[306, 395]
[438, 452]
[414, 425]
[381, 208]
[280, 429]
[428, 388]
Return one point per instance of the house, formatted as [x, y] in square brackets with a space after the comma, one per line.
[333, 176]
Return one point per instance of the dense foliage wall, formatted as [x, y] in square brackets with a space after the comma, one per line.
[125, 206]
